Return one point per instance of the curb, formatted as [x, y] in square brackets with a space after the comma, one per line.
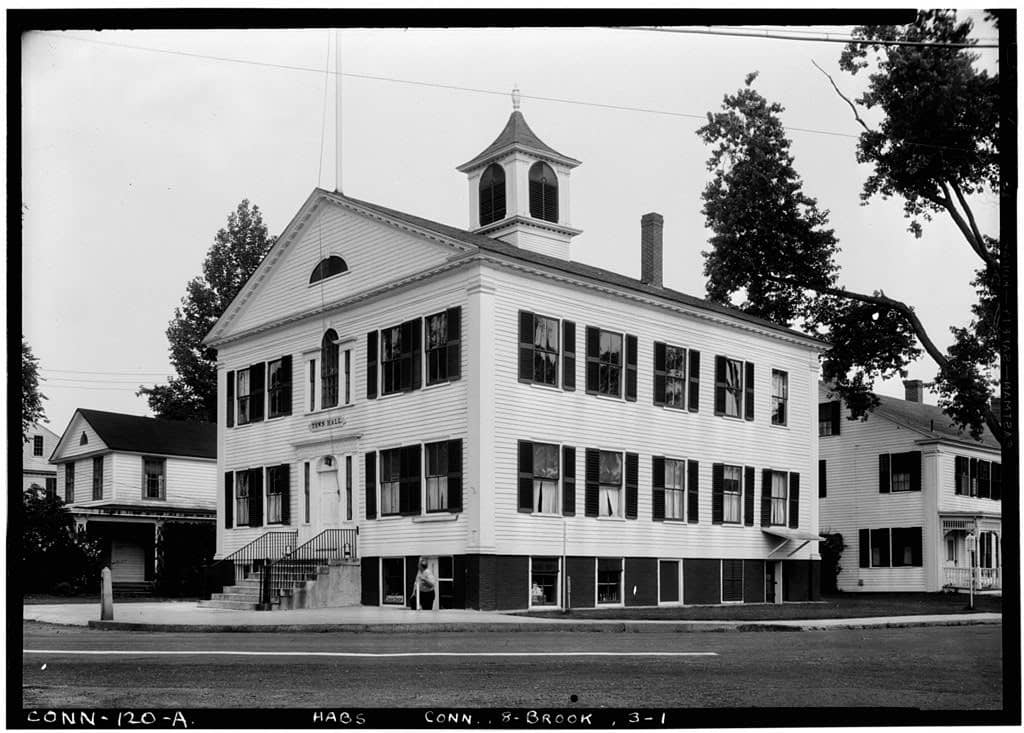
[599, 627]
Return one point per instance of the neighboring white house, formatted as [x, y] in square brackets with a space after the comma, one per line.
[125, 476]
[906, 488]
[36, 470]
[546, 433]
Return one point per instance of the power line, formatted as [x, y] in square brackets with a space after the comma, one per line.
[453, 87]
[82, 371]
[827, 38]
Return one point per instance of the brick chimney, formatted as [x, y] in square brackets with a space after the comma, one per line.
[651, 226]
[914, 389]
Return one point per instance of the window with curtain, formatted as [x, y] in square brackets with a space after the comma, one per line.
[545, 479]
[780, 496]
[153, 470]
[675, 376]
[437, 476]
[390, 480]
[675, 489]
[733, 387]
[243, 395]
[780, 397]
[610, 485]
[732, 494]
[242, 499]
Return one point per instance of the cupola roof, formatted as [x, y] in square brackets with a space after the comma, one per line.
[517, 134]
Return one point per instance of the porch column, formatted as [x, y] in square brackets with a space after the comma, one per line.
[158, 538]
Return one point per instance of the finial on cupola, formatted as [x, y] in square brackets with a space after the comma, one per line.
[515, 97]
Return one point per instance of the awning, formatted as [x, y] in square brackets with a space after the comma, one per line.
[792, 534]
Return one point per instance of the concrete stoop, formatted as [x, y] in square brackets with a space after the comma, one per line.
[330, 585]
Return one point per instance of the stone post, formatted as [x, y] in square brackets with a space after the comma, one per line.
[106, 596]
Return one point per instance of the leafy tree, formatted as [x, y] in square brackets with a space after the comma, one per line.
[53, 555]
[236, 252]
[924, 92]
[32, 411]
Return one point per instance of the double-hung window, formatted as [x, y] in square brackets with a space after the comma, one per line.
[732, 494]
[780, 397]
[97, 478]
[538, 348]
[69, 483]
[390, 480]
[244, 414]
[670, 377]
[278, 479]
[828, 418]
[605, 364]
[545, 479]
[279, 387]
[437, 477]
[734, 388]
[899, 472]
[329, 369]
[610, 485]
[398, 347]
[443, 346]
[242, 499]
[671, 479]
[153, 478]
[37, 445]
[675, 489]
[780, 497]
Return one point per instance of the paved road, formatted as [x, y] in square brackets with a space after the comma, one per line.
[929, 668]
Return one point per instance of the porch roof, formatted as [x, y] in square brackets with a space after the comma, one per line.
[793, 534]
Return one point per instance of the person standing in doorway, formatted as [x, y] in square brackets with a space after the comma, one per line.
[423, 587]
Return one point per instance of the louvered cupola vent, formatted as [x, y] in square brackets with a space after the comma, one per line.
[543, 192]
[492, 194]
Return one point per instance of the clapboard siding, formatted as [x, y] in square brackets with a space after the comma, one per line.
[71, 441]
[38, 466]
[545, 414]
[431, 413]
[373, 251]
[949, 500]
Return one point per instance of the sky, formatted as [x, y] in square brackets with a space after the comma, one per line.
[138, 144]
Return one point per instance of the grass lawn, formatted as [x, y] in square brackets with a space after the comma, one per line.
[847, 605]
[39, 599]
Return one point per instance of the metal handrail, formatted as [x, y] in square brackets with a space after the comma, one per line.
[270, 546]
[300, 565]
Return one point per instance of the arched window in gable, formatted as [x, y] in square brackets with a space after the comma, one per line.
[328, 266]
[329, 369]
[543, 192]
[84, 440]
[492, 194]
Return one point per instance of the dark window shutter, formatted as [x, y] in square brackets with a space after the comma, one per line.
[371, 365]
[749, 489]
[286, 493]
[568, 356]
[659, 373]
[794, 499]
[525, 346]
[766, 497]
[525, 476]
[568, 481]
[864, 548]
[884, 545]
[657, 488]
[455, 475]
[959, 472]
[256, 497]
[717, 492]
[257, 388]
[692, 491]
[913, 535]
[454, 343]
[834, 410]
[748, 389]
[231, 400]
[229, 499]
[592, 478]
[285, 374]
[822, 488]
[415, 330]
[719, 385]
[914, 457]
[632, 485]
[693, 401]
[997, 481]
[631, 357]
[883, 473]
[371, 485]
[593, 358]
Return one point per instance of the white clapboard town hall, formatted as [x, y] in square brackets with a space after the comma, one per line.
[546, 433]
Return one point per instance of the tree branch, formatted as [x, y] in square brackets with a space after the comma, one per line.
[842, 96]
[972, 236]
[978, 238]
[885, 301]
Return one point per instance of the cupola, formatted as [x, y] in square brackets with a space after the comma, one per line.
[519, 190]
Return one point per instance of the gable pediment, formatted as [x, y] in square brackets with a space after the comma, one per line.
[375, 250]
[71, 445]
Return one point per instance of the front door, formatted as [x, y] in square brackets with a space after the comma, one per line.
[769, 582]
[330, 492]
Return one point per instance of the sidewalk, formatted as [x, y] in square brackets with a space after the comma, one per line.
[189, 617]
